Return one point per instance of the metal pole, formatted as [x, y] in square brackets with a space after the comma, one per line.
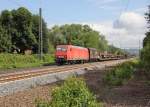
[139, 47]
[39, 47]
[40, 34]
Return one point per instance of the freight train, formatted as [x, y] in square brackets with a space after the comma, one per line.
[75, 54]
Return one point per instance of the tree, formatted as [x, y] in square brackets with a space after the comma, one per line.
[147, 38]
[6, 19]
[145, 53]
[23, 28]
[115, 50]
[5, 31]
[103, 44]
[23, 37]
[35, 30]
[5, 41]
[145, 56]
[91, 39]
[76, 34]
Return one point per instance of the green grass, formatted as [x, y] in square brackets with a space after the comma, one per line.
[120, 74]
[8, 61]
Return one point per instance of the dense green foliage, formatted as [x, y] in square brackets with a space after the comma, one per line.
[147, 38]
[35, 30]
[120, 74]
[76, 34]
[21, 27]
[145, 56]
[145, 53]
[73, 93]
[5, 40]
[20, 61]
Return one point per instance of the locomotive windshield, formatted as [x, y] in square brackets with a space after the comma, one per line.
[61, 49]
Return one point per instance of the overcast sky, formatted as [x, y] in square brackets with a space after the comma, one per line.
[121, 21]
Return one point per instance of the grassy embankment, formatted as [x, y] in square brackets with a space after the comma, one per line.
[121, 73]
[8, 61]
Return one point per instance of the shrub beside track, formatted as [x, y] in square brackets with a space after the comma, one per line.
[121, 73]
[73, 93]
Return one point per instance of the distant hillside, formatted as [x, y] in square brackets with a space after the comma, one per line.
[132, 51]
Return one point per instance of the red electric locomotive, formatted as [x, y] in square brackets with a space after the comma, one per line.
[71, 54]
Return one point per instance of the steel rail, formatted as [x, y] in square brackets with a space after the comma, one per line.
[23, 75]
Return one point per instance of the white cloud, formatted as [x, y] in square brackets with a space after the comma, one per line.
[130, 21]
[125, 32]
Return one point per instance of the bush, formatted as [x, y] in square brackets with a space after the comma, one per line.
[120, 74]
[73, 93]
[145, 56]
[21, 61]
[48, 58]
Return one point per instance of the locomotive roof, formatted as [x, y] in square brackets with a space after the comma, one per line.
[92, 48]
[73, 46]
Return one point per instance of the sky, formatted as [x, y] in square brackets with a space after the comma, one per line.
[121, 21]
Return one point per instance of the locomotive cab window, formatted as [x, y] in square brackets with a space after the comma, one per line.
[58, 49]
[61, 49]
[64, 49]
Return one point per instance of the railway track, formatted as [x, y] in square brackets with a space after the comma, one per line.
[22, 80]
[33, 73]
[28, 74]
